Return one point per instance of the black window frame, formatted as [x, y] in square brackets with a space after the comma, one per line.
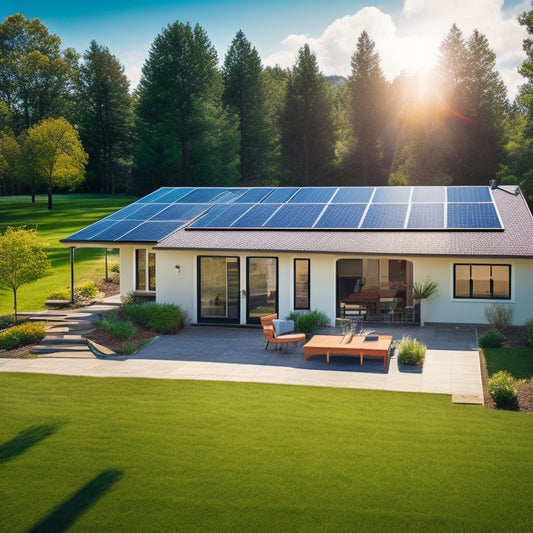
[308, 307]
[471, 283]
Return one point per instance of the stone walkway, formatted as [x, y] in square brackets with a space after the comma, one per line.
[237, 354]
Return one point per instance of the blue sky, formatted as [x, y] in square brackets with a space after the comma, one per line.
[407, 32]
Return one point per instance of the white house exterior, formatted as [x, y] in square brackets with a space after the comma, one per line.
[220, 272]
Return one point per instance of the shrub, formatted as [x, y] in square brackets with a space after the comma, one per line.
[88, 290]
[529, 327]
[6, 321]
[121, 329]
[21, 335]
[411, 351]
[503, 388]
[161, 318]
[491, 339]
[115, 267]
[309, 321]
[498, 316]
[524, 396]
[59, 295]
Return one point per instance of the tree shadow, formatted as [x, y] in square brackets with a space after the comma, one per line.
[26, 439]
[65, 515]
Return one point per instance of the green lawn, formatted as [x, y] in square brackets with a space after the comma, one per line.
[71, 212]
[160, 455]
[518, 361]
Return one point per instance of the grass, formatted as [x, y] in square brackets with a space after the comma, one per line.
[71, 212]
[162, 455]
[518, 361]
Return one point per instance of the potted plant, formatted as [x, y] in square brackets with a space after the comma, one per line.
[422, 291]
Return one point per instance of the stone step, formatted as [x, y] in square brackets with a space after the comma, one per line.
[63, 339]
[87, 354]
[53, 348]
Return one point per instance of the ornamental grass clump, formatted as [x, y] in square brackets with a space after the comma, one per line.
[411, 351]
[122, 329]
[21, 335]
[529, 327]
[498, 316]
[309, 321]
[161, 318]
[503, 388]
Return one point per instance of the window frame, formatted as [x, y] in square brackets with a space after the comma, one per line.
[147, 282]
[471, 295]
[295, 285]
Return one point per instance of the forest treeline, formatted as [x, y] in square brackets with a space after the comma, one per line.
[196, 119]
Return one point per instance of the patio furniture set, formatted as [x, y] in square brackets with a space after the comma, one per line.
[356, 345]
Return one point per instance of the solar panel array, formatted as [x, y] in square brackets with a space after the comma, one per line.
[168, 209]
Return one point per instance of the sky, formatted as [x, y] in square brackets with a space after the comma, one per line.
[407, 33]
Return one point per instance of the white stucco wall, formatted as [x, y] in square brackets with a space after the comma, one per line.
[182, 288]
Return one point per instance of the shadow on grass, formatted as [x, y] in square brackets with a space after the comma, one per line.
[26, 439]
[65, 515]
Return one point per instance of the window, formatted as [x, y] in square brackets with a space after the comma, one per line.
[482, 281]
[144, 270]
[302, 284]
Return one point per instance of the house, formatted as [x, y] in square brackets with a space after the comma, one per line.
[230, 255]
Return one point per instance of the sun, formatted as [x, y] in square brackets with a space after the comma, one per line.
[417, 57]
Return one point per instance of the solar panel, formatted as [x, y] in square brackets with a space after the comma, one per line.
[146, 211]
[154, 196]
[341, 216]
[175, 194]
[473, 216]
[295, 216]
[280, 196]
[385, 216]
[200, 196]
[353, 195]
[88, 233]
[469, 194]
[254, 195]
[390, 195]
[150, 232]
[256, 216]
[184, 212]
[221, 216]
[428, 194]
[425, 216]
[313, 195]
[116, 230]
[121, 214]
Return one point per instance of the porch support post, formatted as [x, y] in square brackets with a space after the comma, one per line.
[72, 274]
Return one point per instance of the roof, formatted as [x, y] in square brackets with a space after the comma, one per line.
[431, 221]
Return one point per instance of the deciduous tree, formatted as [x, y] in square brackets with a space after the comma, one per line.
[35, 74]
[9, 157]
[53, 152]
[23, 259]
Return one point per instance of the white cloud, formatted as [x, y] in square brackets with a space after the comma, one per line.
[411, 40]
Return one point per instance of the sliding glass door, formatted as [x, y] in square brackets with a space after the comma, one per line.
[218, 289]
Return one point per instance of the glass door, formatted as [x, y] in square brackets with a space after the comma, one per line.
[262, 288]
[218, 290]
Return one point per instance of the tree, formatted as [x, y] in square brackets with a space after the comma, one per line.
[22, 260]
[53, 152]
[307, 132]
[180, 120]
[367, 104]
[106, 119]
[476, 104]
[244, 93]
[9, 157]
[35, 75]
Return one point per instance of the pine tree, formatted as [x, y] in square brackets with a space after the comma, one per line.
[367, 106]
[106, 119]
[307, 132]
[244, 93]
[181, 126]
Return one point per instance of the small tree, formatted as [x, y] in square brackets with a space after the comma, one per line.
[422, 291]
[53, 152]
[22, 259]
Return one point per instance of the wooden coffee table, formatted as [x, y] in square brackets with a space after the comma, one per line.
[358, 346]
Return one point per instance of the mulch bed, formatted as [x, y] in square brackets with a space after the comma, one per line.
[103, 337]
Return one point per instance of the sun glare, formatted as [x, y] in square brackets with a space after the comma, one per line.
[418, 60]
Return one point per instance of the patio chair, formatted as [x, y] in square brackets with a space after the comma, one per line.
[269, 332]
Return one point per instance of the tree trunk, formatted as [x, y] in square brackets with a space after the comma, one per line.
[15, 304]
[49, 196]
